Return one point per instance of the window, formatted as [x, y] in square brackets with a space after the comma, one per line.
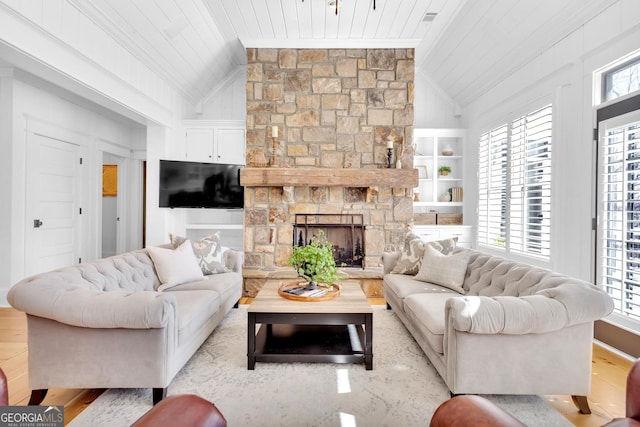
[514, 171]
[621, 80]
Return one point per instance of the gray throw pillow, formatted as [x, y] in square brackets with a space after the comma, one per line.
[413, 251]
[207, 251]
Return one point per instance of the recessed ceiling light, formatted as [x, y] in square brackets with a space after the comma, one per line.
[429, 17]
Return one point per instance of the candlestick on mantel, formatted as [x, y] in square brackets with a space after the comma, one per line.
[274, 131]
[390, 143]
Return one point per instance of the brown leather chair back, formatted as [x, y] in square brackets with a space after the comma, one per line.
[472, 411]
[185, 410]
[633, 392]
[4, 390]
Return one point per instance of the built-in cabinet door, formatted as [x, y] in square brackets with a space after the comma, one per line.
[199, 145]
[230, 146]
[214, 144]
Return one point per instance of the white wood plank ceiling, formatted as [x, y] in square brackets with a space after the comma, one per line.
[468, 47]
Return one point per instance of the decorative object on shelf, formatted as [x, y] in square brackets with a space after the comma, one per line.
[398, 157]
[456, 194]
[445, 197]
[423, 173]
[274, 147]
[447, 150]
[389, 151]
[416, 195]
[444, 170]
[449, 219]
[315, 261]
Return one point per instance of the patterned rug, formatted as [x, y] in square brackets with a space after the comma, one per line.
[403, 389]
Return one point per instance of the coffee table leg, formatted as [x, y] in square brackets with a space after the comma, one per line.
[251, 341]
[368, 345]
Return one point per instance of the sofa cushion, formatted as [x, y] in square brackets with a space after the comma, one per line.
[413, 251]
[225, 284]
[195, 308]
[444, 270]
[426, 312]
[208, 252]
[175, 266]
[403, 286]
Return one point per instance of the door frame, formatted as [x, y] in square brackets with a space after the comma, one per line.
[129, 209]
[606, 330]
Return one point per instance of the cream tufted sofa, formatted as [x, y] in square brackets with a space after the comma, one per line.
[516, 329]
[103, 324]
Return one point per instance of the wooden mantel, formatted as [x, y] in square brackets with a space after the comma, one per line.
[326, 177]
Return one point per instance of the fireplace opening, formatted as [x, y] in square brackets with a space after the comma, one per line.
[344, 231]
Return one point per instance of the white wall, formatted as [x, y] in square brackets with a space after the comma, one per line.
[433, 108]
[228, 100]
[27, 103]
[563, 75]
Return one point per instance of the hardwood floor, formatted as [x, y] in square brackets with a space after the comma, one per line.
[607, 399]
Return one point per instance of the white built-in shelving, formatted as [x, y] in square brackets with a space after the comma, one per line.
[431, 154]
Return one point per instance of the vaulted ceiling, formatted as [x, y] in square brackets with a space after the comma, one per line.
[464, 46]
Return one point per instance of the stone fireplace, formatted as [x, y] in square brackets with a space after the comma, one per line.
[336, 110]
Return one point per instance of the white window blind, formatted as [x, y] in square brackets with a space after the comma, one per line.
[492, 178]
[619, 260]
[514, 176]
[530, 184]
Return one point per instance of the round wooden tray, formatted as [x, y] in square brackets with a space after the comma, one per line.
[331, 293]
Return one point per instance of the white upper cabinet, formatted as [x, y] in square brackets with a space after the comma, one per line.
[216, 142]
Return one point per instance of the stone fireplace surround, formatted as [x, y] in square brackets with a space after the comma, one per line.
[335, 110]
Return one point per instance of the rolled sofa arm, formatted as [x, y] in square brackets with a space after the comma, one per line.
[91, 308]
[233, 260]
[389, 260]
[546, 311]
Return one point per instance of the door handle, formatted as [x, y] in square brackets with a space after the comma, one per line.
[37, 223]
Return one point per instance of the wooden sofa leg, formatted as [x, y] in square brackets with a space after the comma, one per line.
[582, 404]
[236, 305]
[37, 396]
[388, 306]
[159, 394]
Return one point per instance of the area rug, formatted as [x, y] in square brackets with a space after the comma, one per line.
[403, 389]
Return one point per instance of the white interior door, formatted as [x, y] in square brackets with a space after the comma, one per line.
[52, 232]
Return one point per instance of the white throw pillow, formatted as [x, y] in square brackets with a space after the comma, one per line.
[175, 266]
[444, 270]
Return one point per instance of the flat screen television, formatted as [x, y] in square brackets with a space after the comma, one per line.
[200, 185]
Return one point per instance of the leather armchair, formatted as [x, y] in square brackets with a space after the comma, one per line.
[183, 410]
[4, 389]
[472, 411]
[632, 405]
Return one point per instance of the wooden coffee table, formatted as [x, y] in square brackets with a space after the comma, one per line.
[339, 330]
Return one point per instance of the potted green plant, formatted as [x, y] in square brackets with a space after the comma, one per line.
[315, 261]
[444, 170]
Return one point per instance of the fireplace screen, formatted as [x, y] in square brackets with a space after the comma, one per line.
[344, 231]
